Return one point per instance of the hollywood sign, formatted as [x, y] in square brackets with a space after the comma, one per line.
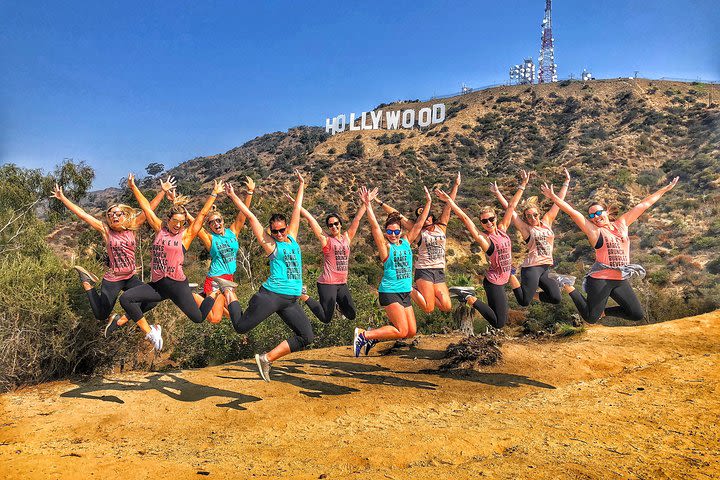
[392, 120]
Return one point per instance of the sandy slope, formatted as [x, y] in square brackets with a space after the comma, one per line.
[639, 402]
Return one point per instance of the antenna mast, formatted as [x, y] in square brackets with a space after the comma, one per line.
[547, 70]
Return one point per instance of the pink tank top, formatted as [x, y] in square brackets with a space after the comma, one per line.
[501, 258]
[615, 251]
[540, 246]
[431, 250]
[167, 256]
[335, 264]
[121, 255]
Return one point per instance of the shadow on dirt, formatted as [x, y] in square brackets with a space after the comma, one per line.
[171, 385]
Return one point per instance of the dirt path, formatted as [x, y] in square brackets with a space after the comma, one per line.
[641, 402]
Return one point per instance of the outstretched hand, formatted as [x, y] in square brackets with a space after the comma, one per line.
[299, 176]
[442, 195]
[494, 188]
[168, 184]
[57, 192]
[131, 180]
[525, 176]
[567, 174]
[548, 190]
[218, 186]
[290, 198]
[428, 197]
[672, 184]
[250, 184]
[364, 195]
[229, 190]
[457, 179]
[372, 194]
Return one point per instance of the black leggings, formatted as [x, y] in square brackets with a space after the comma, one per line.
[179, 292]
[496, 311]
[102, 303]
[598, 291]
[530, 279]
[329, 296]
[265, 303]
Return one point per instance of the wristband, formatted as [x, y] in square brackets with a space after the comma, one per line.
[521, 188]
[250, 193]
[566, 184]
[213, 194]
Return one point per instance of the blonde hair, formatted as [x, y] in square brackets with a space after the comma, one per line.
[528, 203]
[213, 213]
[486, 209]
[179, 206]
[130, 215]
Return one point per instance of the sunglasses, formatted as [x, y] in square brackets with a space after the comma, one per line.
[487, 220]
[116, 214]
[215, 220]
[334, 224]
[393, 232]
[176, 222]
[598, 213]
[279, 230]
[534, 215]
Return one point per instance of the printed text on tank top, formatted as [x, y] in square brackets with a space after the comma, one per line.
[336, 253]
[121, 255]
[397, 268]
[613, 249]
[168, 255]
[540, 246]
[431, 249]
[223, 253]
[500, 258]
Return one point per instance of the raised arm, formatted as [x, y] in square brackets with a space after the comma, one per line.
[152, 219]
[265, 240]
[510, 210]
[447, 210]
[522, 227]
[417, 227]
[77, 210]
[550, 216]
[404, 221]
[355, 224]
[377, 234]
[240, 218]
[587, 227]
[474, 233]
[294, 225]
[203, 235]
[165, 186]
[192, 231]
[629, 217]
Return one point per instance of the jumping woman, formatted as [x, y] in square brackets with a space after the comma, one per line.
[280, 292]
[168, 281]
[332, 284]
[609, 275]
[431, 287]
[222, 244]
[394, 290]
[497, 246]
[537, 232]
[118, 232]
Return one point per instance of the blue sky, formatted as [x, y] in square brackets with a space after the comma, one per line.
[125, 84]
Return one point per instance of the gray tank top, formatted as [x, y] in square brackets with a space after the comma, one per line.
[431, 249]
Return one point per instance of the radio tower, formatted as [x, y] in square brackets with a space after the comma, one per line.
[547, 70]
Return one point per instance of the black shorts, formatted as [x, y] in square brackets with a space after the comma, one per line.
[390, 298]
[434, 275]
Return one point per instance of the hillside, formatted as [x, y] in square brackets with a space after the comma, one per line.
[636, 402]
[620, 139]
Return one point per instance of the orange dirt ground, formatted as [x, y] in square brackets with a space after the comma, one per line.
[624, 402]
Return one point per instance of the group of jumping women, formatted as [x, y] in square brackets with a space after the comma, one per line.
[283, 291]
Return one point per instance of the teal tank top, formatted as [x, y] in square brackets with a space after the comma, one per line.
[223, 254]
[397, 277]
[285, 269]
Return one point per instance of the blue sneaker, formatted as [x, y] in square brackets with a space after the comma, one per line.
[369, 343]
[359, 341]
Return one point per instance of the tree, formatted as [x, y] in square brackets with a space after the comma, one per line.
[154, 169]
[74, 178]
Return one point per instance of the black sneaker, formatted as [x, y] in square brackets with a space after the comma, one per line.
[369, 344]
[86, 276]
[461, 293]
[112, 324]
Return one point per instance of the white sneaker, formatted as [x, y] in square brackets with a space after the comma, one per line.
[263, 365]
[155, 337]
[563, 280]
